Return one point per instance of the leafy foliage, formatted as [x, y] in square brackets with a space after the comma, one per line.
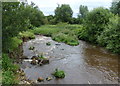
[83, 10]
[96, 22]
[10, 44]
[59, 73]
[27, 34]
[63, 13]
[9, 70]
[115, 8]
[110, 37]
[102, 27]
[61, 32]
[66, 36]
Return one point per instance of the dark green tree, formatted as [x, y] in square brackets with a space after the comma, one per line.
[115, 8]
[51, 19]
[63, 13]
[110, 37]
[95, 23]
[83, 10]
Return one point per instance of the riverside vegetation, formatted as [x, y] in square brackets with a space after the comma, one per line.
[99, 26]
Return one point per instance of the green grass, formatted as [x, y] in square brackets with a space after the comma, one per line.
[41, 57]
[68, 39]
[0, 76]
[48, 43]
[61, 32]
[59, 73]
[11, 44]
[27, 34]
[9, 70]
[46, 30]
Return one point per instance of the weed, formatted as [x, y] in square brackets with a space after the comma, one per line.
[59, 73]
[48, 43]
[31, 48]
[27, 34]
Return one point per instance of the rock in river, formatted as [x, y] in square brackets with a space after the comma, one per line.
[34, 62]
[40, 79]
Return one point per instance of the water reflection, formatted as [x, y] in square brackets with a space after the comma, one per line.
[102, 60]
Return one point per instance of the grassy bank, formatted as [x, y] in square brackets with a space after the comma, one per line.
[61, 32]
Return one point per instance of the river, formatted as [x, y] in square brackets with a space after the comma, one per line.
[83, 64]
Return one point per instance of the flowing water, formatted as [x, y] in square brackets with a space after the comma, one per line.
[83, 64]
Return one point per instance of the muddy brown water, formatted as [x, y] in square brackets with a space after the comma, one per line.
[83, 64]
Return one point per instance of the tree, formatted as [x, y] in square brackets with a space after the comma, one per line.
[51, 19]
[83, 10]
[110, 37]
[18, 17]
[96, 21]
[115, 8]
[33, 13]
[63, 13]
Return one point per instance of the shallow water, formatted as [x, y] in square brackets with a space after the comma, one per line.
[83, 64]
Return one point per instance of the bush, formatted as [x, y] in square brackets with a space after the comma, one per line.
[68, 39]
[110, 37]
[7, 63]
[45, 30]
[96, 21]
[48, 43]
[59, 73]
[8, 78]
[27, 34]
[9, 70]
[10, 44]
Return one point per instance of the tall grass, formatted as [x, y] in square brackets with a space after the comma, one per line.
[9, 70]
[61, 32]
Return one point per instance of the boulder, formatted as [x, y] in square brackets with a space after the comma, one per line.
[45, 61]
[34, 57]
[49, 78]
[34, 62]
[40, 79]
[57, 44]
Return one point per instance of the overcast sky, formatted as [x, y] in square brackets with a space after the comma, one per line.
[48, 6]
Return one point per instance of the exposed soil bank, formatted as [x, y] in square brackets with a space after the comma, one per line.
[83, 64]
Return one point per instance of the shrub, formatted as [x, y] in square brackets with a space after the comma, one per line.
[9, 70]
[31, 48]
[27, 34]
[61, 37]
[110, 37]
[11, 44]
[45, 30]
[59, 73]
[96, 22]
[48, 43]
[8, 78]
